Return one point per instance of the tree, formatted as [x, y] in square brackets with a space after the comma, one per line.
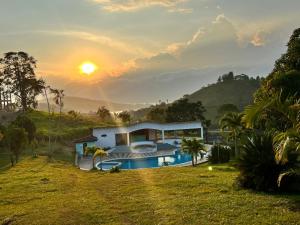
[99, 153]
[228, 77]
[18, 74]
[157, 114]
[206, 124]
[58, 98]
[290, 60]
[25, 122]
[282, 117]
[96, 152]
[257, 164]
[286, 72]
[185, 111]
[124, 116]
[193, 147]
[103, 113]
[74, 114]
[233, 122]
[16, 140]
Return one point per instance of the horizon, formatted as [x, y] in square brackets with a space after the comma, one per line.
[175, 49]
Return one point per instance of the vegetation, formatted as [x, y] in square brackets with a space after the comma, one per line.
[232, 122]
[193, 147]
[18, 78]
[96, 152]
[226, 108]
[124, 116]
[234, 91]
[58, 98]
[15, 140]
[219, 154]
[35, 188]
[257, 164]
[269, 129]
[103, 113]
[183, 110]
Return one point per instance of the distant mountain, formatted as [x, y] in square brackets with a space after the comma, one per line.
[238, 91]
[85, 105]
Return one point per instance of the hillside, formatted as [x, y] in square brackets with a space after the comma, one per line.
[85, 105]
[237, 92]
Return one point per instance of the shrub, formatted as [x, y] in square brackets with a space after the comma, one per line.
[257, 164]
[115, 169]
[219, 154]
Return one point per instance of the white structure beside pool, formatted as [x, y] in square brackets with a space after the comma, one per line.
[170, 133]
[145, 144]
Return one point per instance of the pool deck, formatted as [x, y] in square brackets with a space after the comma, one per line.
[124, 152]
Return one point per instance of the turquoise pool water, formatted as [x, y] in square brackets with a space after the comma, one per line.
[150, 162]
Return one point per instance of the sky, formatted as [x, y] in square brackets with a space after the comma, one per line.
[146, 50]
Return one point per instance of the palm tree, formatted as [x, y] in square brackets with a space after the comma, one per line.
[99, 153]
[285, 125]
[193, 147]
[233, 122]
[58, 98]
[96, 152]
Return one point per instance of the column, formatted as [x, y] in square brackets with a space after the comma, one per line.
[128, 139]
[163, 136]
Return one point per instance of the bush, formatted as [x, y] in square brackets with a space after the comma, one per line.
[219, 154]
[115, 169]
[257, 164]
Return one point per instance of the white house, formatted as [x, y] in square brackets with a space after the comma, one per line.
[171, 133]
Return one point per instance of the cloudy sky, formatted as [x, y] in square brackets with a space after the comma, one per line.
[146, 50]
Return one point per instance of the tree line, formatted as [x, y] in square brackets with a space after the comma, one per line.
[266, 135]
[18, 80]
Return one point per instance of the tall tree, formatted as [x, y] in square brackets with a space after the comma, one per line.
[124, 116]
[233, 122]
[103, 113]
[16, 140]
[19, 76]
[184, 111]
[193, 147]
[23, 121]
[58, 98]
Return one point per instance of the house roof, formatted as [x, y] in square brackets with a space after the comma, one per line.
[89, 138]
[145, 122]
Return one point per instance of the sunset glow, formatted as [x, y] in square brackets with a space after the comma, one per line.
[88, 68]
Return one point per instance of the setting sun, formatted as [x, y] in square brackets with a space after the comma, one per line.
[88, 68]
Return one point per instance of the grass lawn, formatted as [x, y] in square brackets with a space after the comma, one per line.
[66, 127]
[37, 192]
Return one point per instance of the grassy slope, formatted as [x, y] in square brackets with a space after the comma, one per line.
[237, 92]
[64, 130]
[66, 127]
[37, 192]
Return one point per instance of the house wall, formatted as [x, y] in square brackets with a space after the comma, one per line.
[106, 136]
[79, 147]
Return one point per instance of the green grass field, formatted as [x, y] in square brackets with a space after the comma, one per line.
[38, 192]
[66, 127]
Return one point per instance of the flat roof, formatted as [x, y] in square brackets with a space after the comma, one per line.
[147, 122]
[89, 138]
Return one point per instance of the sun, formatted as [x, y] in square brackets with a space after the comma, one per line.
[88, 68]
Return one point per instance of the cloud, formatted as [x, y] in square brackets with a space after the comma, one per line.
[100, 39]
[259, 39]
[135, 5]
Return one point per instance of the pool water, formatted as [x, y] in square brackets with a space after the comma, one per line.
[150, 162]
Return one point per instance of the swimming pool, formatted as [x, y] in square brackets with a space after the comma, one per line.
[151, 162]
